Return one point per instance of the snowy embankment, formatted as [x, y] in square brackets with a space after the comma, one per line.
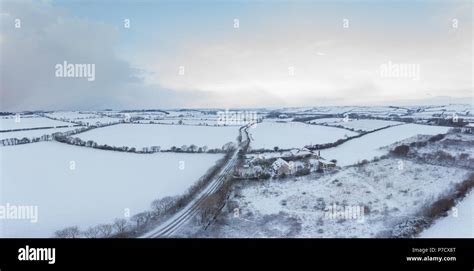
[268, 135]
[85, 187]
[165, 136]
[458, 224]
[368, 146]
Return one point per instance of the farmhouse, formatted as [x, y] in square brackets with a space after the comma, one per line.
[280, 167]
[257, 159]
[303, 153]
[326, 164]
[298, 153]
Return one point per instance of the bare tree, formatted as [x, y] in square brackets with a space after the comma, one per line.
[228, 146]
[92, 232]
[160, 206]
[141, 218]
[69, 232]
[105, 230]
[120, 225]
[192, 148]
[208, 209]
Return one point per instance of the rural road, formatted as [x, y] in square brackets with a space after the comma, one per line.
[174, 223]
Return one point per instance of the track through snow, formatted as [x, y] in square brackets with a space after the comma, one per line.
[174, 223]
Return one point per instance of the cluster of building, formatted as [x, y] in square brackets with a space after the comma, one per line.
[295, 161]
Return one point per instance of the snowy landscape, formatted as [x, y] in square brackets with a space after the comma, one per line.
[408, 172]
[237, 119]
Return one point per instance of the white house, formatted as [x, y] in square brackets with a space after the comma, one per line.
[280, 166]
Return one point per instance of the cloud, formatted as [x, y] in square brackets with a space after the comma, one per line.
[329, 63]
[49, 36]
[301, 60]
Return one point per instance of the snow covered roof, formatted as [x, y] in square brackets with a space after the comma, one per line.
[304, 153]
[257, 158]
[324, 162]
[294, 151]
[279, 163]
[297, 152]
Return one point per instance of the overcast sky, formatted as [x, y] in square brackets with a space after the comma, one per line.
[284, 53]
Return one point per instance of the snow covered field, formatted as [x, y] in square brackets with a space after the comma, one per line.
[368, 146]
[418, 112]
[326, 121]
[87, 118]
[72, 115]
[294, 135]
[298, 206]
[105, 184]
[367, 124]
[165, 136]
[460, 226]
[209, 122]
[278, 119]
[9, 123]
[102, 186]
[462, 110]
[99, 120]
[364, 125]
[35, 133]
[455, 144]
